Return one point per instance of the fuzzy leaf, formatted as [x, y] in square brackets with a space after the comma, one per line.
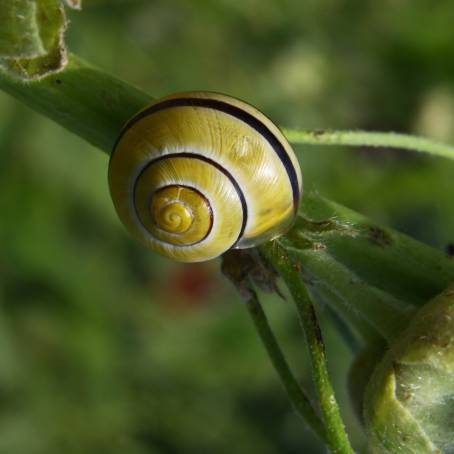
[31, 38]
[19, 30]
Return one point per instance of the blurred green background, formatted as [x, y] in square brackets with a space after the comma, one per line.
[106, 348]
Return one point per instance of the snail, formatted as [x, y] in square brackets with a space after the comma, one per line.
[195, 174]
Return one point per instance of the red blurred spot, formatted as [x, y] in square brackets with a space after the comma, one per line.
[191, 285]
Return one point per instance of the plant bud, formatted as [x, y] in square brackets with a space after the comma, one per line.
[360, 372]
[409, 401]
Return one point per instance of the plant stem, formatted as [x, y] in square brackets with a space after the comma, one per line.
[351, 325]
[83, 99]
[342, 254]
[403, 267]
[370, 139]
[377, 309]
[298, 398]
[337, 437]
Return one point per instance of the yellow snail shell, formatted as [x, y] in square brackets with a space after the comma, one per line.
[195, 174]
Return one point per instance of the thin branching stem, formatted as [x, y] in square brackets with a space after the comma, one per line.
[370, 139]
[297, 396]
[338, 441]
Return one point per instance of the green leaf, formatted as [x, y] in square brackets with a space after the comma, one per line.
[31, 38]
[19, 30]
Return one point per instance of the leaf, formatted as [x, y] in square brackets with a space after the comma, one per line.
[19, 30]
[31, 37]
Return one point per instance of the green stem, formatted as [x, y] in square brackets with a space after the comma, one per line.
[370, 139]
[83, 99]
[337, 437]
[345, 255]
[377, 309]
[405, 269]
[298, 398]
[352, 326]
[95, 105]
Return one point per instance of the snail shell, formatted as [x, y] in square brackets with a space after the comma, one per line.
[195, 174]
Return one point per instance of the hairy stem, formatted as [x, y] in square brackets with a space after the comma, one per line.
[378, 310]
[337, 437]
[370, 139]
[298, 398]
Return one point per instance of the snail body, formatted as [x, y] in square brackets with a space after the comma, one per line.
[195, 174]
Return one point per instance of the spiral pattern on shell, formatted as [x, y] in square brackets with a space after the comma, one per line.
[195, 174]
